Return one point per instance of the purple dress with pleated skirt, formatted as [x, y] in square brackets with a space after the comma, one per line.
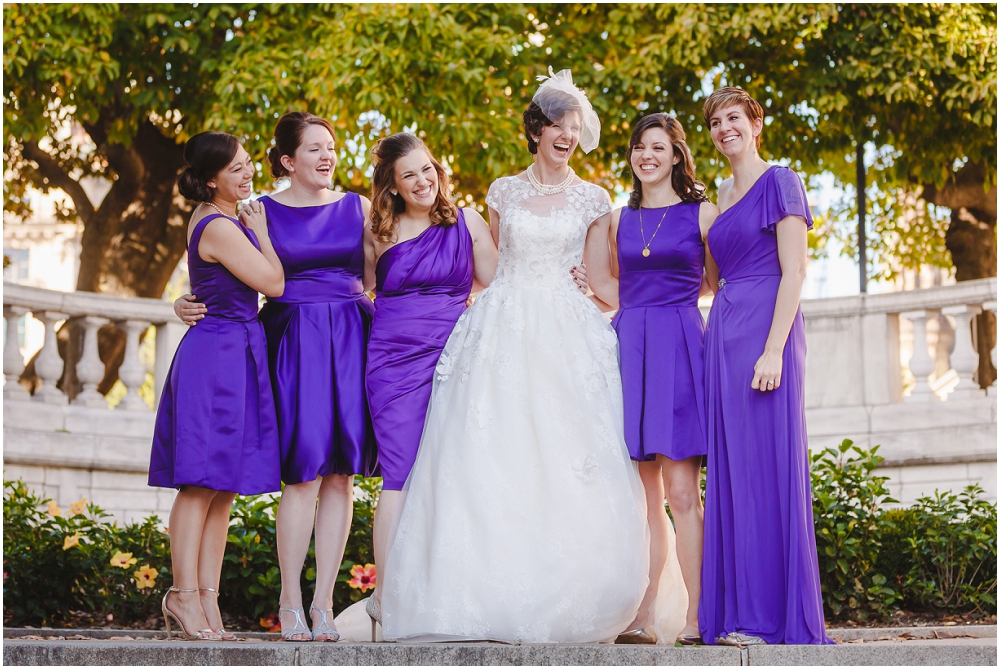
[760, 574]
[317, 338]
[661, 333]
[421, 286]
[215, 426]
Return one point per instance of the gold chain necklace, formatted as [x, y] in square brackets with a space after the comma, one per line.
[642, 229]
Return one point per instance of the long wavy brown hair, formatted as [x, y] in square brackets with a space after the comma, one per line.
[682, 176]
[386, 207]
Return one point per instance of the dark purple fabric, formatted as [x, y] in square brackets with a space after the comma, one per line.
[760, 573]
[661, 333]
[421, 286]
[317, 336]
[215, 426]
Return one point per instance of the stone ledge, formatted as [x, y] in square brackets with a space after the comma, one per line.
[953, 652]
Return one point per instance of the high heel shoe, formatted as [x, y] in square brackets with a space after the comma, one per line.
[201, 635]
[374, 612]
[638, 636]
[324, 629]
[300, 626]
[223, 634]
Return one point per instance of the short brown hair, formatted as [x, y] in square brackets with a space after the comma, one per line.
[288, 137]
[387, 207]
[729, 96]
[534, 120]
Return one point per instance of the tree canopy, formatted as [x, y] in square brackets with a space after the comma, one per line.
[915, 83]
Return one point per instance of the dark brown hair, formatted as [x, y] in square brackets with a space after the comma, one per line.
[729, 96]
[682, 176]
[387, 207]
[534, 120]
[288, 137]
[206, 154]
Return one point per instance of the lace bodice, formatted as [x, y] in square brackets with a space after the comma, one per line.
[542, 236]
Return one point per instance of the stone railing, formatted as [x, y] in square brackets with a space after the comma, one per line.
[130, 315]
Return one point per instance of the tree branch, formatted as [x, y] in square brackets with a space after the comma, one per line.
[50, 168]
[965, 189]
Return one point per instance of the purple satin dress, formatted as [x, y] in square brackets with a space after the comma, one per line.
[661, 333]
[317, 336]
[760, 574]
[421, 286]
[215, 426]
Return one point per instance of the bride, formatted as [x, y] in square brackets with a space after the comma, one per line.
[523, 519]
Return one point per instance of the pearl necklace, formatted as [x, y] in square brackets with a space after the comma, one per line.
[549, 189]
[216, 207]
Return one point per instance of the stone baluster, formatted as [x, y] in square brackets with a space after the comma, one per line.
[13, 363]
[48, 364]
[921, 363]
[131, 372]
[90, 369]
[992, 306]
[964, 360]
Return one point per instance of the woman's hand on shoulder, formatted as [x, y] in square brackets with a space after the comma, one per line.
[189, 311]
[254, 217]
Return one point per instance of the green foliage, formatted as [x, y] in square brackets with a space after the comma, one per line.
[47, 574]
[847, 499]
[955, 552]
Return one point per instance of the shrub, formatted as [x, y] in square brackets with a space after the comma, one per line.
[954, 552]
[847, 497]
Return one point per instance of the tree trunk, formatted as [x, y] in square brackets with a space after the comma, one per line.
[972, 241]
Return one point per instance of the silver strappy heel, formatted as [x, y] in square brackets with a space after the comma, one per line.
[324, 629]
[300, 627]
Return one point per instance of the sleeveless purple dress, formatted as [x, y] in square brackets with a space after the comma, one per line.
[215, 426]
[317, 334]
[661, 333]
[421, 287]
[760, 573]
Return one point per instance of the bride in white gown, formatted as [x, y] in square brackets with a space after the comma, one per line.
[523, 519]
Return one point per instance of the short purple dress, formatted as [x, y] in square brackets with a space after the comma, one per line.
[760, 574]
[215, 426]
[317, 337]
[421, 286]
[661, 333]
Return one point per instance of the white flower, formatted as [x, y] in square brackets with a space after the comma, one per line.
[585, 468]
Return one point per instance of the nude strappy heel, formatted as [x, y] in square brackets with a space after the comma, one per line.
[324, 629]
[200, 635]
[223, 634]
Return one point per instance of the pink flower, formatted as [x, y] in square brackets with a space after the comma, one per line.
[364, 577]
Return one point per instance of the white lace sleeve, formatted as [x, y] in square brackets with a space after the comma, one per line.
[591, 202]
[495, 195]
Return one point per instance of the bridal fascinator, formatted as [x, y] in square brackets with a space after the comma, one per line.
[557, 95]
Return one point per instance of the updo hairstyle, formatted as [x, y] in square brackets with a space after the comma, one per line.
[534, 120]
[733, 95]
[288, 137]
[682, 176]
[387, 207]
[206, 154]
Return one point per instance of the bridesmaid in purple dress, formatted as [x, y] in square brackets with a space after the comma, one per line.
[658, 255]
[760, 576]
[317, 335]
[215, 433]
[430, 256]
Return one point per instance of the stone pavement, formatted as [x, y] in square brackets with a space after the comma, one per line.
[943, 646]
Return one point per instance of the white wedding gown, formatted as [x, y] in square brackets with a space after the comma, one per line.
[523, 519]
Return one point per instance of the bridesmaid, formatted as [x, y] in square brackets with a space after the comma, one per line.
[658, 256]
[317, 334]
[430, 255]
[215, 434]
[760, 576]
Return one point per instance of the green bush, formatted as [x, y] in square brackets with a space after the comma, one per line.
[57, 561]
[895, 558]
[847, 500]
[954, 553]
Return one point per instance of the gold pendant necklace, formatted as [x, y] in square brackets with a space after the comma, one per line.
[642, 230]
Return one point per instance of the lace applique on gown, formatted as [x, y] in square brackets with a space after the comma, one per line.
[523, 518]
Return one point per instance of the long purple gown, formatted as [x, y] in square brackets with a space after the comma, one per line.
[661, 333]
[421, 286]
[317, 336]
[760, 574]
[215, 426]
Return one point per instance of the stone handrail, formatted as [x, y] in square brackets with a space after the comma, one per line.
[132, 315]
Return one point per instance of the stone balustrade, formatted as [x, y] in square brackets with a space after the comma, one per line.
[937, 429]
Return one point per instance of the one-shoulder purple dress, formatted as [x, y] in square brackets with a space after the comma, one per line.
[420, 290]
[760, 574]
[215, 426]
[317, 337]
[661, 333]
